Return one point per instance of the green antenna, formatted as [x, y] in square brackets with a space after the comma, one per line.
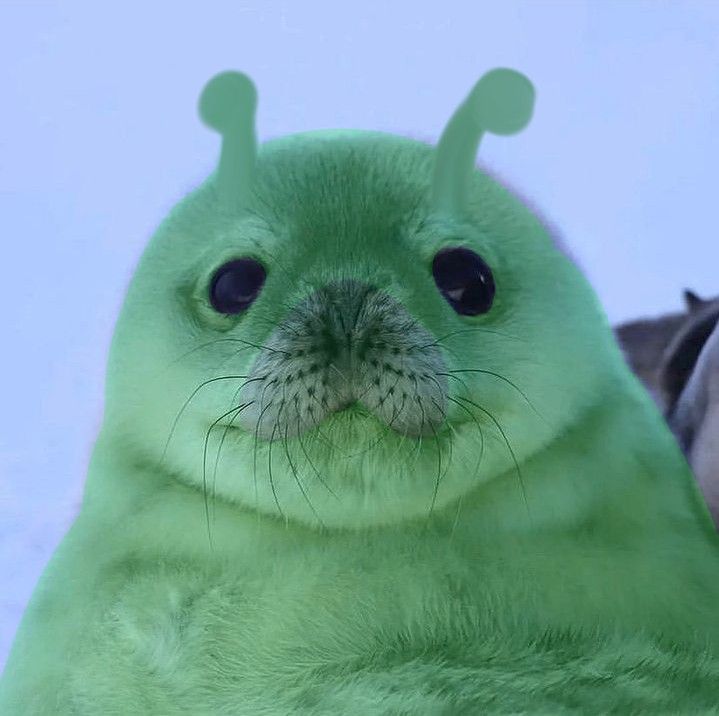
[501, 102]
[227, 104]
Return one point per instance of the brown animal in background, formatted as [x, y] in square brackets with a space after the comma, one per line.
[677, 358]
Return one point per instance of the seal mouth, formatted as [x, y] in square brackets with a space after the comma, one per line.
[350, 410]
[351, 405]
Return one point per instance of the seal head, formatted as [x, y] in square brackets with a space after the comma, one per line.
[348, 328]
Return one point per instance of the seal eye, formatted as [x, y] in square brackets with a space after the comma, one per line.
[465, 280]
[236, 285]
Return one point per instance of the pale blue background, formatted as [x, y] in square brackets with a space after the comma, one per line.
[99, 136]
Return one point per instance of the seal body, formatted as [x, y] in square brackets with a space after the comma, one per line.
[480, 513]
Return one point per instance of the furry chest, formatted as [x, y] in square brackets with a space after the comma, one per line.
[182, 635]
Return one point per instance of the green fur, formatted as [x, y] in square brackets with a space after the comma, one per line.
[546, 551]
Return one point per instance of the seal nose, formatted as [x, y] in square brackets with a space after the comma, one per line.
[347, 342]
[342, 328]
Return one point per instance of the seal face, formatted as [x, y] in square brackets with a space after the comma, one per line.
[307, 332]
[339, 353]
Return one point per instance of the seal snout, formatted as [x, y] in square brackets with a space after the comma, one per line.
[347, 343]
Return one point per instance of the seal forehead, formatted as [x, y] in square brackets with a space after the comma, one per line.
[358, 178]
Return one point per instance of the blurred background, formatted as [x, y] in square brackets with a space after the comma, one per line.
[99, 137]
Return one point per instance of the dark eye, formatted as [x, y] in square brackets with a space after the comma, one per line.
[465, 280]
[236, 285]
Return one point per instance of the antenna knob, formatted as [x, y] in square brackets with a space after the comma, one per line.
[227, 100]
[502, 101]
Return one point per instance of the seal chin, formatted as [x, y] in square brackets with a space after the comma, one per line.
[352, 423]
[349, 471]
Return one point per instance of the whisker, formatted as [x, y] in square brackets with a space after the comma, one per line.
[248, 344]
[312, 465]
[296, 476]
[187, 402]
[418, 400]
[256, 438]
[509, 447]
[386, 428]
[436, 382]
[506, 380]
[443, 412]
[468, 330]
[204, 469]
[316, 428]
[222, 442]
[282, 327]
[404, 435]
[479, 428]
[200, 347]
[418, 450]
[479, 461]
[269, 469]
[236, 394]
[228, 358]
[449, 375]
[439, 472]
[263, 348]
